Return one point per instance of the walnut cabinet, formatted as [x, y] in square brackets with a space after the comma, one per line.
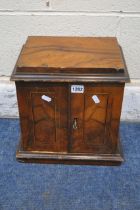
[70, 92]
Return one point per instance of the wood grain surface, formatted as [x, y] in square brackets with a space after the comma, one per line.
[72, 126]
[52, 54]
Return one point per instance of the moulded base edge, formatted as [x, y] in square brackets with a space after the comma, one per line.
[69, 158]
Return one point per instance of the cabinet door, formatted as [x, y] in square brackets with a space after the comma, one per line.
[47, 123]
[93, 113]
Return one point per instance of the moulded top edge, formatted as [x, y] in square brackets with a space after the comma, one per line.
[69, 78]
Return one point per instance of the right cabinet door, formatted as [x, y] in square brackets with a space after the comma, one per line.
[97, 119]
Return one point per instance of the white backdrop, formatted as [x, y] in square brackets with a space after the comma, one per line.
[18, 19]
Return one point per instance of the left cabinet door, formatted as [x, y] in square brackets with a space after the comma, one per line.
[43, 114]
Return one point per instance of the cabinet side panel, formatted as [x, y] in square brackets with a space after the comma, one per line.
[117, 91]
[25, 122]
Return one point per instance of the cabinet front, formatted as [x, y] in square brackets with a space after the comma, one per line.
[58, 118]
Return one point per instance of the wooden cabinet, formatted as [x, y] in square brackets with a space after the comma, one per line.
[70, 93]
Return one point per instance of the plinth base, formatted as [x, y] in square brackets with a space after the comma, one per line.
[71, 158]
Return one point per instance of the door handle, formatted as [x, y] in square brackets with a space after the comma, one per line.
[75, 126]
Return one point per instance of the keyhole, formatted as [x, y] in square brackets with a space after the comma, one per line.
[75, 123]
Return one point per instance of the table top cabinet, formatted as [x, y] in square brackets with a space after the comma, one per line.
[70, 92]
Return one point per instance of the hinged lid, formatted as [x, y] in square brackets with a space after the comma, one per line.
[70, 59]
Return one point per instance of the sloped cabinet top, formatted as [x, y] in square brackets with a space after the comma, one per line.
[70, 59]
